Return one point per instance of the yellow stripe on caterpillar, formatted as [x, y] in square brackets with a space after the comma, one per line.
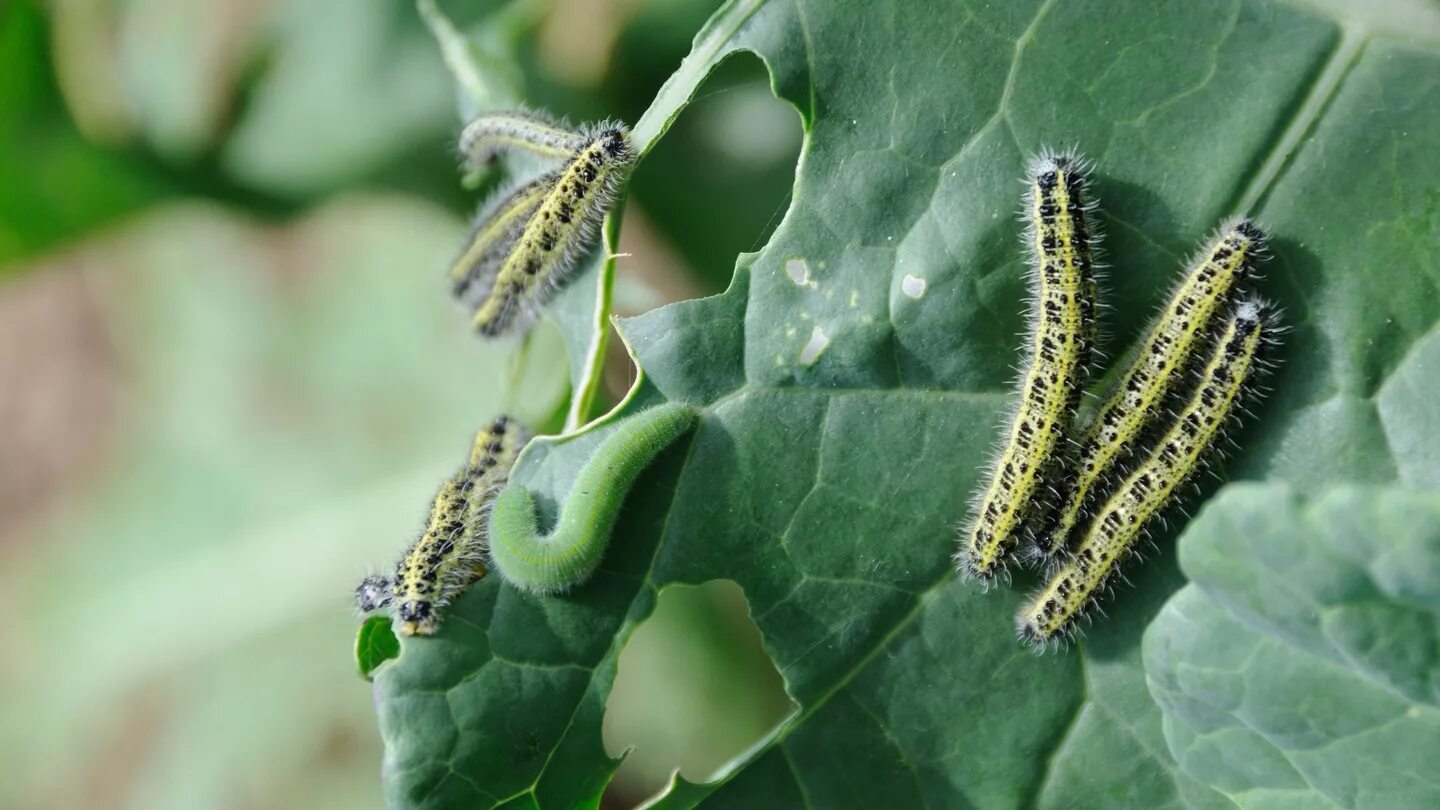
[1062, 336]
[1170, 347]
[1228, 379]
[559, 232]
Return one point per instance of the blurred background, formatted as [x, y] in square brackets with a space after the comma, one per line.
[230, 377]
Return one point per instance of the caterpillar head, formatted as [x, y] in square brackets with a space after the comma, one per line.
[616, 140]
[417, 617]
[373, 593]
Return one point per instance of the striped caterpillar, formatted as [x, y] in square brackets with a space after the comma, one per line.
[1062, 341]
[1226, 383]
[1137, 400]
[526, 242]
[450, 552]
[526, 131]
[569, 554]
[496, 230]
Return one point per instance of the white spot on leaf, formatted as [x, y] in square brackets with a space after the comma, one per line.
[799, 272]
[819, 342]
[913, 286]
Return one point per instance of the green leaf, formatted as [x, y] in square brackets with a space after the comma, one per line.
[375, 644]
[846, 420]
[1298, 668]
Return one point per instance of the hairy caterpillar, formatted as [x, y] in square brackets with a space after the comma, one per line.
[497, 227]
[516, 130]
[1228, 379]
[449, 554]
[559, 231]
[1061, 345]
[569, 554]
[1168, 349]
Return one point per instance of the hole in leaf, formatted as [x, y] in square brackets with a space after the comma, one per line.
[719, 181]
[715, 186]
[694, 689]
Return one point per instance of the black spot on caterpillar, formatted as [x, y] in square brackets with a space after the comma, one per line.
[1062, 335]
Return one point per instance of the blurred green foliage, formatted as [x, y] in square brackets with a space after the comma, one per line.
[53, 184]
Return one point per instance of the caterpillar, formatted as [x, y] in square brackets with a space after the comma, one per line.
[1226, 384]
[449, 553]
[1168, 348]
[516, 130]
[1062, 341]
[569, 554]
[497, 227]
[559, 231]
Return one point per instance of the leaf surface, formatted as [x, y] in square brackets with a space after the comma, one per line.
[853, 375]
[1299, 667]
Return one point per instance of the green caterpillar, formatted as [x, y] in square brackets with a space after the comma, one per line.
[569, 554]
[1226, 384]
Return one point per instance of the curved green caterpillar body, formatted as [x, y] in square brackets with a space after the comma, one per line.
[1169, 348]
[569, 554]
[493, 235]
[516, 130]
[1228, 379]
[449, 554]
[559, 231]
[1062, 342]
